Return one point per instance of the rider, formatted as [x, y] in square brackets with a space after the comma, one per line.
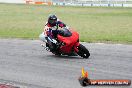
[51, 30]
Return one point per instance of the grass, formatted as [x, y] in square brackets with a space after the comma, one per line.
[95, 24]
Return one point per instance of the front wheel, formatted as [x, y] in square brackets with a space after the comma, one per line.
[83, 52]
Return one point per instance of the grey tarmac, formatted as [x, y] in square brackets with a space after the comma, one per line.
[24, 63]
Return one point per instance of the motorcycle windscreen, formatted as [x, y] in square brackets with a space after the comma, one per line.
[65, 32]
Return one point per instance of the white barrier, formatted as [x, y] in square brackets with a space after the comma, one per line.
[12, 1]
[106, 3]
[85, 4]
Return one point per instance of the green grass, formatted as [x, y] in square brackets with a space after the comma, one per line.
[95, 24]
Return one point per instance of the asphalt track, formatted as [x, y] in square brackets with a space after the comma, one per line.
[24, 63]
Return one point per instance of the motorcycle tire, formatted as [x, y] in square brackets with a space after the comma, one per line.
[83, 52]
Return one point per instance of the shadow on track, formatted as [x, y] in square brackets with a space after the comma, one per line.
[64, 57]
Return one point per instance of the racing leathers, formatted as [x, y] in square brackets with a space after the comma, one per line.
[50, 34]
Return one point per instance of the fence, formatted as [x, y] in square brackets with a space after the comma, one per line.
[119, 3]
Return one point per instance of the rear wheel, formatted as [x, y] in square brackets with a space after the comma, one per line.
[83, 52]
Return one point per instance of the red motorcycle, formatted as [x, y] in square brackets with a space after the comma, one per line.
[68, 44]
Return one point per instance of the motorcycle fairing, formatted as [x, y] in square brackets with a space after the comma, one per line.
[69, 42]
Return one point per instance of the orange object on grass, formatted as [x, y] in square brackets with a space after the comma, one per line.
[39, 3]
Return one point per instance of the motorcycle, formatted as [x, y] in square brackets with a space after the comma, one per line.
[67, 44]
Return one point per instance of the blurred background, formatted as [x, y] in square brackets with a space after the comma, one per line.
[95, 20]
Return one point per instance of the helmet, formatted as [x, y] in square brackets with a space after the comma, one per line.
[52, 19]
